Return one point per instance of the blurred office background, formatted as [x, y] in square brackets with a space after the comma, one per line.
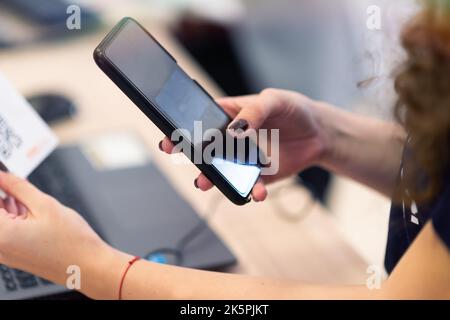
[321, 48]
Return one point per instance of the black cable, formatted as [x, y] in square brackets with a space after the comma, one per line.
[191, 235]
[302, 212]
[178, 251]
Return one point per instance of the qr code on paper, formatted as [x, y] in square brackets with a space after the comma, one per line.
[9, 140]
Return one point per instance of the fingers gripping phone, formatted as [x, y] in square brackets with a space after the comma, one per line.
[152, 79]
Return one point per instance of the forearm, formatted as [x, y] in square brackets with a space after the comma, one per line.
[152, 281]
[364, 149]
[147, 280]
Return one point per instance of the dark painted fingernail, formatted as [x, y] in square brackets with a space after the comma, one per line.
[239, 125]
[160, 146]
[196, 183]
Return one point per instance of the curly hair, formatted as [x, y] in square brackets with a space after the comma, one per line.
[423, 106]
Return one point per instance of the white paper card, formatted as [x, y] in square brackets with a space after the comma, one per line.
[25, 139]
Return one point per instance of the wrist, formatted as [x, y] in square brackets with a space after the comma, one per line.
[323, 114]
[100, 277]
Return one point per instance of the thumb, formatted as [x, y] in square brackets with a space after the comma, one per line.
[253, 111]
[251, 116]
[20, 189]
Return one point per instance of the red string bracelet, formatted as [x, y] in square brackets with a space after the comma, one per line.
[130, 263]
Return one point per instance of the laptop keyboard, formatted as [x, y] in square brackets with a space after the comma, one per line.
[51, 178]
[14, 279]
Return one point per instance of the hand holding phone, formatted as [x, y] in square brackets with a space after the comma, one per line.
[259, 191]
[176, 103]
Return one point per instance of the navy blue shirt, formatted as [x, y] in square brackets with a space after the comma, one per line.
[406, 222]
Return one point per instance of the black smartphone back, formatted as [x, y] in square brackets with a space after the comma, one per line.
[135, 61]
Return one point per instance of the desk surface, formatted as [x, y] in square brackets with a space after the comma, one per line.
[308, 248]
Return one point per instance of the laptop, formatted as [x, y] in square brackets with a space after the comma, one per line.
[133, 208]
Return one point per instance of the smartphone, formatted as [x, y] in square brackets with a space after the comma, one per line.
[145, 71]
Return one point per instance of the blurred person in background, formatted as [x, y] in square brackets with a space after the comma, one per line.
[407, 160]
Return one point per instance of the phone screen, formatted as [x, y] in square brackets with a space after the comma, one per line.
[159, 78]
